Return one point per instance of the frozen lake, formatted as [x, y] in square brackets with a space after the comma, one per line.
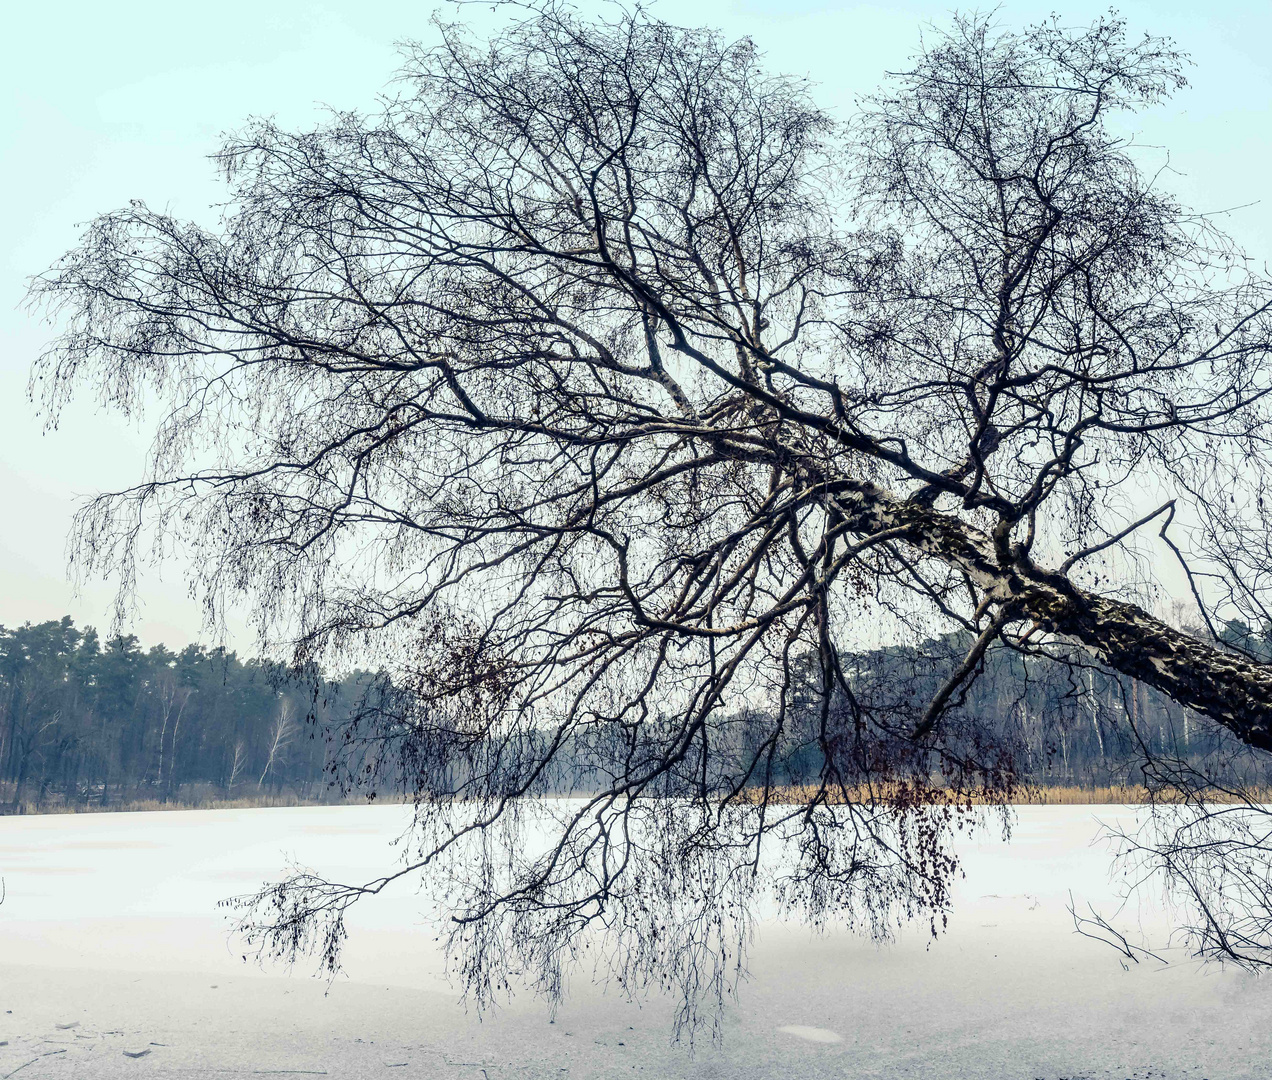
[112, 944]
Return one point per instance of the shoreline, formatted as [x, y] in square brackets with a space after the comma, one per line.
[1041, 795]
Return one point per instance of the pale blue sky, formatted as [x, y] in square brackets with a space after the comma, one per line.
[104, 103]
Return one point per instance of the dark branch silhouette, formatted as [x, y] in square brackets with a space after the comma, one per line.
[611, 393]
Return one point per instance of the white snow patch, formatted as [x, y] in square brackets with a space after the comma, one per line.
[812, 1034]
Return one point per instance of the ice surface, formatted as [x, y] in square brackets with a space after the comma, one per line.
[111, 925]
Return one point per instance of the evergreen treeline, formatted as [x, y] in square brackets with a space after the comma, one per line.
[101, 723]
[1061, 721]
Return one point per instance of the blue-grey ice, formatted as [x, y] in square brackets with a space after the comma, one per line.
[111, 924]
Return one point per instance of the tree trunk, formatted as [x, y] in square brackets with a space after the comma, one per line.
[1231, 690]
[172, 757]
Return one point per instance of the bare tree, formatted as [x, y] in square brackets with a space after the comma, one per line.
[172, 696]
[610, 394]
[236, 766]
[284, 731]
[183, 695]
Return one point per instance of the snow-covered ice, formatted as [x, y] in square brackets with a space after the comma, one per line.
[115, 962]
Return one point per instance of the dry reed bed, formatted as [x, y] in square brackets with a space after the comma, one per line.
[130, 806]
[1050, 795]
[1033, 795]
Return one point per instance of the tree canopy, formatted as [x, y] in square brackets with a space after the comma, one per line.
[607, 390]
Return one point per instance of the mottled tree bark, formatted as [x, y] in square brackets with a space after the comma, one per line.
[1232, 690]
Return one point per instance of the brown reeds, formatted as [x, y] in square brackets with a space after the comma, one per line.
[1031, 795]
[130, 806]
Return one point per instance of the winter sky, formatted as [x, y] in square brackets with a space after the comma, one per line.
[103, 103]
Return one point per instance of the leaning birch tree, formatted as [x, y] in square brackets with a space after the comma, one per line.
[610, 394]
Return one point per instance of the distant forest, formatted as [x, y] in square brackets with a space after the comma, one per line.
[92, 722]
[96, 723]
